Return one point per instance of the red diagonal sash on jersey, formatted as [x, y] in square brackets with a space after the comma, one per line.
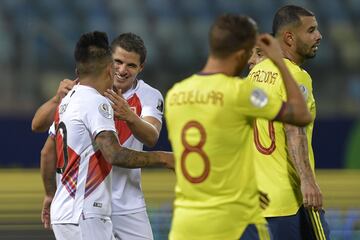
[70, 176]
[123, 130]
[98, 169]
[71, 169]
[70, 166]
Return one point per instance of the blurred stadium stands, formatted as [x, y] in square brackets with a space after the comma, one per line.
[37, 39]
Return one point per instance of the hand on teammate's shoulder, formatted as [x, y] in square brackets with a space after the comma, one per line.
[64, 87]
[271, 47]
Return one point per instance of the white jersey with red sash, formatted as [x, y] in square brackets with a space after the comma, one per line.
[127, 194]
[84, 186]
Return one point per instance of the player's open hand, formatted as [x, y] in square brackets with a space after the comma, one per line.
[45, 212]
[121, 107]
[312, 196]
[64, 87]
[270, 46]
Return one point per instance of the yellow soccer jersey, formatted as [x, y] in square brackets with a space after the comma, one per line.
[275, 171]
[209, 121]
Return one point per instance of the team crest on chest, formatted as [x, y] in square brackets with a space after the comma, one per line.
[106, 110]
[62, 108]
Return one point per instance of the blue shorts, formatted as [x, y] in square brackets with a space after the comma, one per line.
[306, 224]
[256, 232]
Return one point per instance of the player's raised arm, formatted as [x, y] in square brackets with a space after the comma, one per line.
[127, 158]
[295, 111]
[44, 116]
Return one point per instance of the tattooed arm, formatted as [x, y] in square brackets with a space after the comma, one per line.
[47, 169]
[298, 151]
[127, 158]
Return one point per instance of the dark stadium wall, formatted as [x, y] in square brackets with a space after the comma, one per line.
[335, 143]
[20, 147]
[352, 157]
[331, 138]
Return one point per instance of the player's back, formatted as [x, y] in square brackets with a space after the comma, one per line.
[275, 172]
[85, 186]
[211, 136]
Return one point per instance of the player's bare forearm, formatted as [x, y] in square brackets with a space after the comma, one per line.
[48, 175]
[44, 116]
[127, 158]
[48, 167]
[147, 130]
[45, 212]
[298, 152]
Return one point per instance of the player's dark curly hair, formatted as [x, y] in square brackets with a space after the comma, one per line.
[289, 15]
[231, 33]
[131, 43]
[92, 53]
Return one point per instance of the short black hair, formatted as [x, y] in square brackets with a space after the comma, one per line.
[131, 43]
[289, 15]
[92, 53]
[230, 33]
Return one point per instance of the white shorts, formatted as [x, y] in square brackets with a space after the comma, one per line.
[134, 226]
[88, 229]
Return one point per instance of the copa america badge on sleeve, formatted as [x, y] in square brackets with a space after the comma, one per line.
[106, 110]
[258, 98]
[304, 91]
[160, 105]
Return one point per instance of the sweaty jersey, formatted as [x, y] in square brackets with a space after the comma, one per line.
[127, 193]
[84, 185]
[274, 169]
[209, 121]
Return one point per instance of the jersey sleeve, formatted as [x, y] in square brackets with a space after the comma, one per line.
[99, 117]
[305, 83]
[256, 102]
[153, 105]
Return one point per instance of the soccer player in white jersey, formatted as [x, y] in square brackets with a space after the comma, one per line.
[138, 115]
[138, 119]
[87, 147]
[80, 208]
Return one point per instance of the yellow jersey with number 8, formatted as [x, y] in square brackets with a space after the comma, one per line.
[209, 121]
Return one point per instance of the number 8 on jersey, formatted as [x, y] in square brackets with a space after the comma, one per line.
[197, 148]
